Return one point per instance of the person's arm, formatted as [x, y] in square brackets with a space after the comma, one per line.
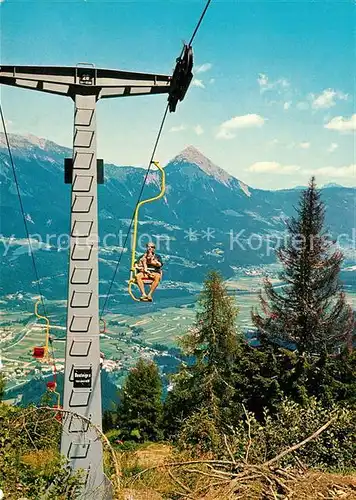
[157, 261]
[143, 263]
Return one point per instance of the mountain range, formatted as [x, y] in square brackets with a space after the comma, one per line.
[195, 225]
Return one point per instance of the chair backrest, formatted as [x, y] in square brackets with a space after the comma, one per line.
[39, 352]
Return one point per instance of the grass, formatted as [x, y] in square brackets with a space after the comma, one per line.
[163, 483]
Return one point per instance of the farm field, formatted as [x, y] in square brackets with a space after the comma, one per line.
[139, 330]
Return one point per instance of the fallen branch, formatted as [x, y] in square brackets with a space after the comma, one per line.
[197, 471]
[176, 480]
[179, 464]
[237, 476]
[299, 445]
[281, 484]
[229, 449]
[211, 485]
[299, 462]
[285, 474]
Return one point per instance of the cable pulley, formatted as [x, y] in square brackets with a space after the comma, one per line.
[181, 78]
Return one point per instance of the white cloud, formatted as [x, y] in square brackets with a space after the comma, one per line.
[203, 68]
[276, 168]
[244, 121]
[262, 80]
[290, 145]
[272, 167]
[266, 84]
[237, 122]
[333, 147]
[342, 124]
[287, 105]
[212, 80]
[198, 83]
[198, 129]
[327, 99]
[283, 82]
[332, 172]
[178, 128]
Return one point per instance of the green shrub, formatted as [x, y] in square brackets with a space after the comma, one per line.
[199, 434]
[333, 449]
[30, 464]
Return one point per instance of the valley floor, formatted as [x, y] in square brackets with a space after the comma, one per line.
[133, 330]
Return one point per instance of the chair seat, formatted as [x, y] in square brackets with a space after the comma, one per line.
[39, 352]
[147, 281]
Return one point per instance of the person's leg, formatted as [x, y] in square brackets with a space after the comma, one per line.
[154, 285]
[140, 284]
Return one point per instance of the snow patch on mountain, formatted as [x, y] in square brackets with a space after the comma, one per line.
[231, 212]
[258, 217]
[245, 188]
[153, 178]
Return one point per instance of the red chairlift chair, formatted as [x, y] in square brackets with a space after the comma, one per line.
[39, 352]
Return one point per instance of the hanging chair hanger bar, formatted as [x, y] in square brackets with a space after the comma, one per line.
[132, 279]
[47, 327]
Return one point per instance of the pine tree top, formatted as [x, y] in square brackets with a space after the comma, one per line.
[309, 312]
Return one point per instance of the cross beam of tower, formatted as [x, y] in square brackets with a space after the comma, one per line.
[82, 387]
[84, 80]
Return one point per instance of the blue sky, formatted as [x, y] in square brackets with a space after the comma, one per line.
[273, 97]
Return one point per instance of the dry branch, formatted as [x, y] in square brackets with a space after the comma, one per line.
[299, 445]
[249, 433]
[180, 464]
[239, 481]
[197, 471]
[176, 480]
[229, 449]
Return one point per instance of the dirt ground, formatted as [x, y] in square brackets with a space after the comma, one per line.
[316, 486]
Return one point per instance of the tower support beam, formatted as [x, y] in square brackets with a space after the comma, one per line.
[82, 389]
[86, 84]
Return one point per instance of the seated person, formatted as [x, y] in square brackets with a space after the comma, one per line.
[149, 266]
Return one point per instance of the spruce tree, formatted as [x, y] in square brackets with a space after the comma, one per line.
[257, 380]
[310, 311]
[108, 420]
[212, 342]
[140, 409]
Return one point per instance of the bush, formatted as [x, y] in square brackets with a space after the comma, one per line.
[30, 464]
[333, 449]
[199, 434]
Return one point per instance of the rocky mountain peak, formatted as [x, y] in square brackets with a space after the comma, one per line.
[193, 155]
